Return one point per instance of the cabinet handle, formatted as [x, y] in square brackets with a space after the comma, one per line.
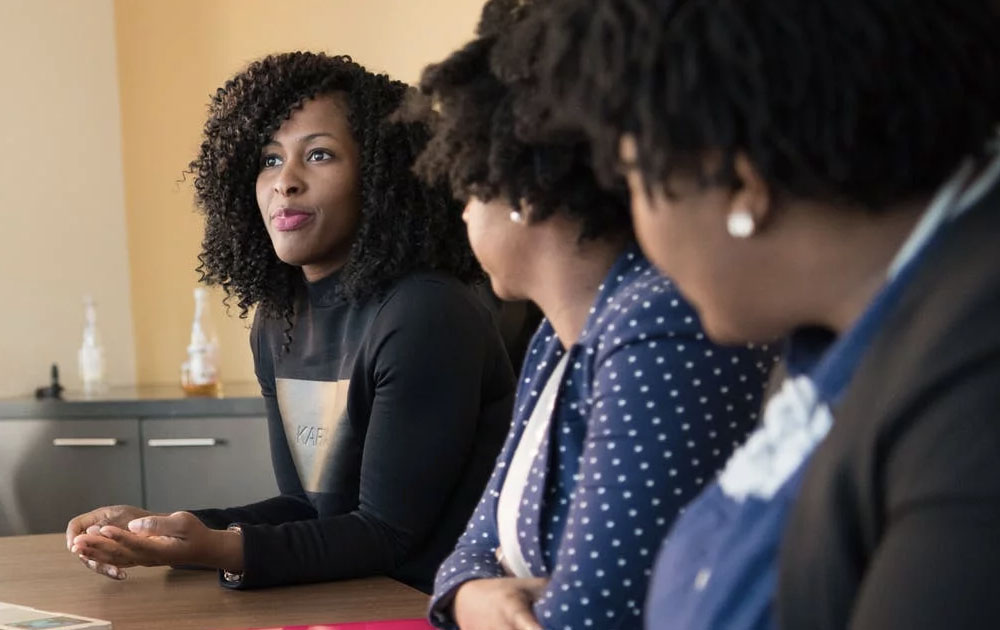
[86, 442]
[174, 442]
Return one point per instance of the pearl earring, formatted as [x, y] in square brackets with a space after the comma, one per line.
[516, 217]
[741, 224]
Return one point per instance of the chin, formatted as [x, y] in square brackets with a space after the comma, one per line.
[734, 331]
[294, 261]
[722, 335]
[294, 256]
[503, 292]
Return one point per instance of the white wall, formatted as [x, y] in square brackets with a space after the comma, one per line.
[62, 215]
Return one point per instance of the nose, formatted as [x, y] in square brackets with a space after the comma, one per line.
[289, 182]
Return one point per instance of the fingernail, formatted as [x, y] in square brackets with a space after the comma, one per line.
[137, 524]
[92, 564]
[121, 575]
[113, 572]
[74, 549]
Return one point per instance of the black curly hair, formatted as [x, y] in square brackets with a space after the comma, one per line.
[863, 102]
[406, 225]
[491, 136]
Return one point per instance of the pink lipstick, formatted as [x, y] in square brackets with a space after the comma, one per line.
[289, 219]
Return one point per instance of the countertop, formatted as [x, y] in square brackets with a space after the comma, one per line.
[151, 401]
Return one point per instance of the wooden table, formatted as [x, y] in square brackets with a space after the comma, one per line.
[37, 571]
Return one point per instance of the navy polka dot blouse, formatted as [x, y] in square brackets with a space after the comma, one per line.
[647, 412]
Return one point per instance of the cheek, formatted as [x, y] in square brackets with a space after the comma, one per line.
[263, 197]
[352, 204]
[476, 216]
[652, 232]
[473, 229]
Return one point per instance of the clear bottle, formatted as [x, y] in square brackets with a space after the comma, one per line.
[200, 372]
[90, 358]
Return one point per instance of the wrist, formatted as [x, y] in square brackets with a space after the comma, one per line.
[230, 550]
[455, 604]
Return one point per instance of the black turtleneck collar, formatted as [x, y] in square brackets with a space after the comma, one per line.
[326, 290]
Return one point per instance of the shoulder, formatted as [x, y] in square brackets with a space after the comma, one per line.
[944, 329]
[430, 292]
[262, 331]
[644, 305]
[432, 303]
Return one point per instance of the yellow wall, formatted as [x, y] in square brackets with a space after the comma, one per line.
[62, 221]
[172, 55]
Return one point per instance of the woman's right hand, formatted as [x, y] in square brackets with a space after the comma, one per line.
[501, 603]
[92, 522]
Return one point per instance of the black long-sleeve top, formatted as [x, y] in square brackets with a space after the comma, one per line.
[385, 420]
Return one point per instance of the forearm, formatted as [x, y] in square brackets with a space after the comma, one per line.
[274, 511]
[318, 550]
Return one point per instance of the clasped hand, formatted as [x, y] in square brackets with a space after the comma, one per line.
[498, 603]
[109, 539]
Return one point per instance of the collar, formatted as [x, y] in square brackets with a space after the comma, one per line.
[326, 291]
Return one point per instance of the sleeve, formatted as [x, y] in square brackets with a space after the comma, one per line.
[474, 555]
[667, 408]
[292, 505]
[427, 351]
[936, 565]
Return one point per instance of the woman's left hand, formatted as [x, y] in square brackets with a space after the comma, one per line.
[180, 538]
[498, 604]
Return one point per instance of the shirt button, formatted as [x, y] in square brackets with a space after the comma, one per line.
[701, 579]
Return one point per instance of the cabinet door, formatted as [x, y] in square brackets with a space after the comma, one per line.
[192, 463]
[52, 470]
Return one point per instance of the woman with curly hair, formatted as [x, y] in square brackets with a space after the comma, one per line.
[387, 385]
[827, 170]
[623, 409]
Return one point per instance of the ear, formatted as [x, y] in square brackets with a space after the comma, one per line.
[527, 211]
[752, 192]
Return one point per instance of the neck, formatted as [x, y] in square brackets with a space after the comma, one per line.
[568, 275]
[847, 279]
[318, 271]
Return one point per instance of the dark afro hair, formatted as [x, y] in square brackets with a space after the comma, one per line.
[491, 136]
[862, 102]
[406, 226]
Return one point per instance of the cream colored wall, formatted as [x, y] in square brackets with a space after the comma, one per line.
[62, 231]
[173, 55]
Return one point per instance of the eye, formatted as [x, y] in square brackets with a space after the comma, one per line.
[319, 155]
[270, 160]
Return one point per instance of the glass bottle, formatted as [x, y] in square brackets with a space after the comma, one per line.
[90, 358]
[200, 372]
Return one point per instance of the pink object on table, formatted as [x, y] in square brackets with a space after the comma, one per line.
[389, 624]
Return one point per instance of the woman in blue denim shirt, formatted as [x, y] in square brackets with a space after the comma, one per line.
[624, 409]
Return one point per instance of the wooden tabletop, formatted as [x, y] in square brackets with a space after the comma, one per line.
[37, 571]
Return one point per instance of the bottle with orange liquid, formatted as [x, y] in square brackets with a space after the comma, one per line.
[200, 372]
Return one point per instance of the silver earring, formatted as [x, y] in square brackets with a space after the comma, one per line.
[516, 217]
[741, 224]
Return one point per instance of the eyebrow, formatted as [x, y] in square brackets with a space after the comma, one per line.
[304, 139]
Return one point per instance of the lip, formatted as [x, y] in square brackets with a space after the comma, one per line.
[291, 219]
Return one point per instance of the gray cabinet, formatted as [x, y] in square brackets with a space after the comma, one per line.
[191, 463]
[52, 470]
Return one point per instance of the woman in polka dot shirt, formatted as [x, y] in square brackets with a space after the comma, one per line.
[624, 410]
